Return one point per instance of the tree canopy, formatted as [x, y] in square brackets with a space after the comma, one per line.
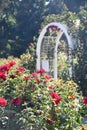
[19, 23]
[21, 20]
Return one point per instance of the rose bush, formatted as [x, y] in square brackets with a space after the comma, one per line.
[36, 101]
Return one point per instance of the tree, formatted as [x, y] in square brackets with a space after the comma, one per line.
[19, 24]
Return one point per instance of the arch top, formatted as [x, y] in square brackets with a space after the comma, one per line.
[55, 26]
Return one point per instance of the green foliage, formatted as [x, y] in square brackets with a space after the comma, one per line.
[37, 101]
[19, 23]
[28, 59]
[63, 66]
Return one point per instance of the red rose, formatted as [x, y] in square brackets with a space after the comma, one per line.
[20, 70]
[50, 87]
[35, 74]
[47, 78]
[83, 128]
[16, 101]
[3, 102]
[41, 71]
[85, 100]
[12, 63]
[5, 67]
[3, 75]
[56, 97]
[41, 112]
[49, 121]
[32, 88]
[37, 80]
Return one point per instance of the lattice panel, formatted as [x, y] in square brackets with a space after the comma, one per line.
[47, 53]
[47, 48]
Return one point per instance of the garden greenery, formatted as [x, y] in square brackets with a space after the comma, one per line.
[36, 101]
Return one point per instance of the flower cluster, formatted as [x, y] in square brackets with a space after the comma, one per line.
[36, 100]
[53, 27]
[85, 100]
[16, 101]
[56, 98]
[5, 68]
[3, 102]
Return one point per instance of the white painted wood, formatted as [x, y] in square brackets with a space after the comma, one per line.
[63, 29]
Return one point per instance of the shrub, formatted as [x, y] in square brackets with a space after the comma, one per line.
[28, 59]
[36, 101]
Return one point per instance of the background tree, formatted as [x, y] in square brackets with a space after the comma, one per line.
[19, 24]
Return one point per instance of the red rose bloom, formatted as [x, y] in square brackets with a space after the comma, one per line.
[50, 87]
[56, 98]
[35, 74]
[3, 102]
[20, 70]
[32, 88]
[5, 67]
[41, 71]
[12, 63]
[47, 78]
[3, 75]
[37, 80]
[16, 101]
[49, 121]
[83, 128]
[85, 100]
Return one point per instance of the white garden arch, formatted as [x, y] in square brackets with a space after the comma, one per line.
[47, 46]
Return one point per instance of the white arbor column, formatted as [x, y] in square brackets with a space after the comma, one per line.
[55, 55]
